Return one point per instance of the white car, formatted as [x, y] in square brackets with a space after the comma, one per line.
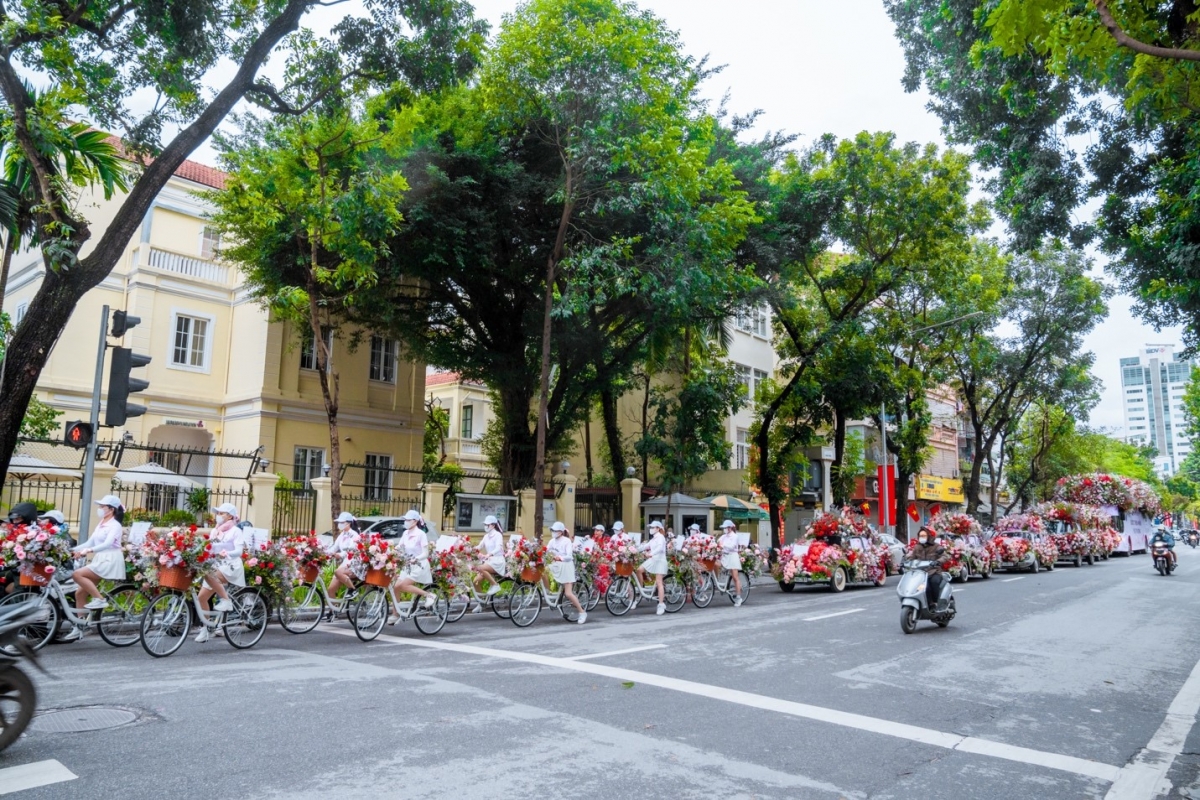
[896, 550]
[390, 528]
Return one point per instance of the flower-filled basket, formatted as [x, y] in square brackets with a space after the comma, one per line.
[625, 557]
[37, 553]
[703, 550]
[527, 560]
[308, 554]
[381, 560]
[272, 569]
[176, 559]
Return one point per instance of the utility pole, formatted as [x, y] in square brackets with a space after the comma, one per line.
[89, 468]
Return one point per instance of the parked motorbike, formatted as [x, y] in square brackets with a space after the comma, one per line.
[913, 604]
[1162, 559]
[18, 696]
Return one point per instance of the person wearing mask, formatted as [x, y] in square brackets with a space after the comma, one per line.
[731, 562]
[107, 559]
[227, 548]
[588, 542]
[416, 572]
[344, 546]
[619, 536]
[20, 514]
[927, 548]
[492, 547]
[656, 564]
[1164, 537]
[562, 568]
[54, 521]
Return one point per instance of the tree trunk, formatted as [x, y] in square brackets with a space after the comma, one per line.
[839, 453]
[612, 435]
[10, 243]
[587, 444]
[903, 480]
[973, 483]
[646, 428]
[518, 444]
[329, 393]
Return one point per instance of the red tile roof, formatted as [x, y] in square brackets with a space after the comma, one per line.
[188, 170]
[441, 378]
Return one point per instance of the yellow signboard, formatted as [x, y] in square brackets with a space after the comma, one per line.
[944, 490]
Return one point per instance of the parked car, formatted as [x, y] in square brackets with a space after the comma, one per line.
[390, 528]
[895, 551]
[974, 559]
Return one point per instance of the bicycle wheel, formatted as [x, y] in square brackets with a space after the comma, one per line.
[566, 608]
[526, 604]
[36, 634]
[702, 593]
[431, 620]
[122, 626]
[370, 613]
[246, 624]
[303, 610]
[619, 597]
[502, 602]
[456, 606]
[166, 623]
[589, 595]
[674, 594]
[732, 594]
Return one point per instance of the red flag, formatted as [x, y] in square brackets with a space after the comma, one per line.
[887, 511]
[936, 508]
[913, 513]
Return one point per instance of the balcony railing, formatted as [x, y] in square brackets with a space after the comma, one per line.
[186, 265]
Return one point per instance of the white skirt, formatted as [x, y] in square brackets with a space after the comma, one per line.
[418, 572]
[108, 564]
[731, 561]
[497, 564]
[563, 572]
[656, 565]
[233, 570]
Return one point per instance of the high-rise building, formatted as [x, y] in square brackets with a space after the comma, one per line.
[1152, 387]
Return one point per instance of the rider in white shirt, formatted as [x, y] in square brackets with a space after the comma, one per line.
[416, 572]
[227, 548]
[108, 560]
[492, 548]
[656, 564]
[731, 562]
[562, 568]
[344, 545]
[587, 542]
[619, 536]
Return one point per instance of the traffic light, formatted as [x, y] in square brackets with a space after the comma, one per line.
[78, 434]
[122, 322]
[120, 386]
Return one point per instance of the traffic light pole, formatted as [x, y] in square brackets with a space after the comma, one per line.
[89, 468]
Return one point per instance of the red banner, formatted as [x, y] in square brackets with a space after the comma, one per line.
[887, 487]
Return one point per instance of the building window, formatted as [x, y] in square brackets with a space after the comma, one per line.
[752, 320]
[468, 422]
[308, 353]
[744, 374]
[759, 378]
[307, 465]
[22, 308]
[190, 348]
[210, 243]
[383, 359]
[741, 452]
[377, 477]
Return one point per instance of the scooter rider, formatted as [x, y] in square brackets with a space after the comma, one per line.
[1166, 539]
[928, 549]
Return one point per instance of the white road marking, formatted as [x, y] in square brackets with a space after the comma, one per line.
[950, 741]
[835, 614]
[1145, 776]
[616, 652]
[31, 776]
[1010, 580]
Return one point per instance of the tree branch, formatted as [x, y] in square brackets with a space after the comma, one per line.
[1125, 40]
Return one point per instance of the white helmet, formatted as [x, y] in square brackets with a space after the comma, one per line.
[729, 524]
[656, 524]
[558, 526]
[412, 514]
[618, 526]
[694, 528]
[345, 516]
[54, 516]
[490, 519]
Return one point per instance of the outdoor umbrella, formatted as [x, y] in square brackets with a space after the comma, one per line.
[152, 474]
[736, 509]
[26, 468]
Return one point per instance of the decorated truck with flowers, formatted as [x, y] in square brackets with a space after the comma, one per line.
[1130, 504]
[1021, 544]
[1080, 532]
[838, 549]
[963, 537]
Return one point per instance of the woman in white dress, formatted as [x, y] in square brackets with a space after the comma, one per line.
[344, 545]
[562, 568]
[108, 560]
[492, 548]
[731, 562]
[227, 549]
[656, 564]
[416, 573]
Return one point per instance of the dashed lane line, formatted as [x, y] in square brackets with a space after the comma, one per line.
[1010, 580]
[616, 652]
[834, 614]
[31, 776]
[950, 741]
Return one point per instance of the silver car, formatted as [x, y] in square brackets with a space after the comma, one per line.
[896, 550]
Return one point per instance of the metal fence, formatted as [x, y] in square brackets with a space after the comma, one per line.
[200, 465]
[295, 511]
[372, 506]
[64, 495]
[174, 505]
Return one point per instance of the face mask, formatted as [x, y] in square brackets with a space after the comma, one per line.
[922, 539]
[409, 524]
[222, 519]
[101, 512]
[343, 526]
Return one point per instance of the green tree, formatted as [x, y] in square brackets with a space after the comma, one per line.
[41, 420]
[198, 60]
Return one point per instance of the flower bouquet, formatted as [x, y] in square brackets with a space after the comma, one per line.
[588, 565]
[37, 553]
[527, 559]
[681, 562]
[451, 567]
[381, 561]
[309, 555]
[844, 523]
[788, 563]
[1045, 551]
[752, 560]
[703, 550]
[624, 556]
[271, 569]
[176, 559]
[955, 524]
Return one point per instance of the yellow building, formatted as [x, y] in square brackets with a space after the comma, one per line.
[223, 376]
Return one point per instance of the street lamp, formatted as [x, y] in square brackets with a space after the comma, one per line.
[566, 465]
[325, 470]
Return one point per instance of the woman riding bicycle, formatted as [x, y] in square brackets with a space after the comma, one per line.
[656, 564]
[731, 562]
[227, 547]
[563, 567]
[344, 545]
[492, 547]
[108, 560]
[416, 572]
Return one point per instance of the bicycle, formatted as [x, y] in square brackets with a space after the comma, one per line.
[370, 614]
[118, 625]
[626, 591]
[467, 596]
[168, 620]
[527, 599]
[311, 605]
[710, 584]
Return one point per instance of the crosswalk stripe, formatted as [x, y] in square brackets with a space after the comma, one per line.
[31, 776]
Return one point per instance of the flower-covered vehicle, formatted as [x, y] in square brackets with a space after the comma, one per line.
[838, 549]
[963, 535]
[1135, 501]
[1020, 543]
[1064, 522]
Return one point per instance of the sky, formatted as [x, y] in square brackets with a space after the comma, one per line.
[815, 67]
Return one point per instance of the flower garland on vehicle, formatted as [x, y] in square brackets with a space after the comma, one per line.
[1045, 551]
[956, 524]
[30, 548]
[451, 567]
[788, 562]
[1102, 489]
[1008, 549]
[844, 523]
[526, 554]
[179, 547]
[271, 569]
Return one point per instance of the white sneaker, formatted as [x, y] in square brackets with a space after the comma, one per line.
[202, 636]
[662, 609]
[582, 618]
[430, 600]
[737, 601]
[73, 635]
[224, 605]
[97, 604]
[477, 609]
[493, 589]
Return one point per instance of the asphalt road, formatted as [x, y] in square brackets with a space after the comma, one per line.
[1073, 684]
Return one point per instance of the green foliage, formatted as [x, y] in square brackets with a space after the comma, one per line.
[197, 501]
[140, 514]
[283, 483]
[437, 428]
[176, 517]
[41, 505]
[853, 466]
[41, 420]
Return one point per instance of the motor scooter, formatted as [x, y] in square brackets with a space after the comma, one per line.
[1162, 558]
[15, 685]
[913, 604]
